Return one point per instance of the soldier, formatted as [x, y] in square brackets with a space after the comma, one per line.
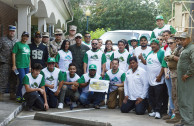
[6, 74]
[55, 45]
[71, 36]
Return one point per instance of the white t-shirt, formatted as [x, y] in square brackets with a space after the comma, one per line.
[123, 59]
[98, 58]
[158, 31]
[52, 77]
[115, 78]
[69, 79]
[33, 82]
[153, 69]
[145, 52]
[65, 58]
[108, 55]
[136, 84]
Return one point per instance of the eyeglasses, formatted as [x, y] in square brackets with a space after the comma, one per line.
[94, 43]
[87, 36]
[170, 43]
[58, 34]
[78, 38]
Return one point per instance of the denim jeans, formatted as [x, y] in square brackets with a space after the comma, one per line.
[22, 73]
[87, 97]
[169, 87]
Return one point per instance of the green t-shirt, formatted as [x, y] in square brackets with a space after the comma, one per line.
[22, 52]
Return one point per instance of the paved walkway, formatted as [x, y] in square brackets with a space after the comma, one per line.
[8, 110]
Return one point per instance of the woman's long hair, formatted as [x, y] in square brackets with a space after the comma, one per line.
[64, 43]
[105, 50]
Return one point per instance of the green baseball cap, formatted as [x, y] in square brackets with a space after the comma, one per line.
[154, 40]
[92, 67]
[159, 17]
[143, 36]
[50, 60]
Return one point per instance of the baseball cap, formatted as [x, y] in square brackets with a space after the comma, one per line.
[12, 28]
[45, 34]
[159, 17]
[143, 36]
[78, 35]
[58, 31]
[133, 38]
[72, 27]
[38, 34]
[184, 35]
[25, 34]
[92, 67]
[50, 60]
[154, 40]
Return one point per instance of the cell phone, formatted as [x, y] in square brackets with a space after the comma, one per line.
[16, 72]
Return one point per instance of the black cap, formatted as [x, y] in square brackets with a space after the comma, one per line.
[25, 34]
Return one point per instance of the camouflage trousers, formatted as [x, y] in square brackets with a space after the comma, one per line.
[7, 76]
[174, 94]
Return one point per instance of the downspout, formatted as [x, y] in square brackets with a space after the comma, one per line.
[69, 14]
[34, 10]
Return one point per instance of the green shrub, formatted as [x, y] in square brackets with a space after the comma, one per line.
[98, 32]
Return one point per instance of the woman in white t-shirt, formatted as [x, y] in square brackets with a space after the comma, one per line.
[108, 52]
[64, 56]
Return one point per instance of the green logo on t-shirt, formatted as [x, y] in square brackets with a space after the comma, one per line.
[94, 57]
[150, 61]
[121, 59]
[108, 56]
[144, 55]
[34, 85]
[50, 78]
[115, 79]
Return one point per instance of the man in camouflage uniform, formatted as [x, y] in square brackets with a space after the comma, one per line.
[172, 64]
[71, 36]
[55, 45]
[45, 41]
[6, 74]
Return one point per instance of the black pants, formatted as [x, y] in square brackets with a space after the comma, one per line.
[165, 100]
[51, 98]
[139, 108]
[34, 99]
[156, 97]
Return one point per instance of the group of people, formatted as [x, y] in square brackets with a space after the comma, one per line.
[142, 77]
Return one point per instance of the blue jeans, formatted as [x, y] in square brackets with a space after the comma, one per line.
[22, 73]
[169, 87]
[87, 97]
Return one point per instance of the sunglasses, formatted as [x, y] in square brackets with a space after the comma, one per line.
[78, 38]
[45, 37]
[58, 34]
[170, 43]
[87, 36]
[94, 43]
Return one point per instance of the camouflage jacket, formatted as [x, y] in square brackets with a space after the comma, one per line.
[72, 41]
[6, 46]
[54, 47]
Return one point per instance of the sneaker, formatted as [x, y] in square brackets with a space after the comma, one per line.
[166, 117]
[19, 99]
[74, 105]
[60, 106]
[157, 116]
[153, 114]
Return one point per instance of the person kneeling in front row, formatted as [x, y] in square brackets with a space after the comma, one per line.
[135, 88]
[34, 88]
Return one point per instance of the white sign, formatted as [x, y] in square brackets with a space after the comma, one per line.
[99, 85]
